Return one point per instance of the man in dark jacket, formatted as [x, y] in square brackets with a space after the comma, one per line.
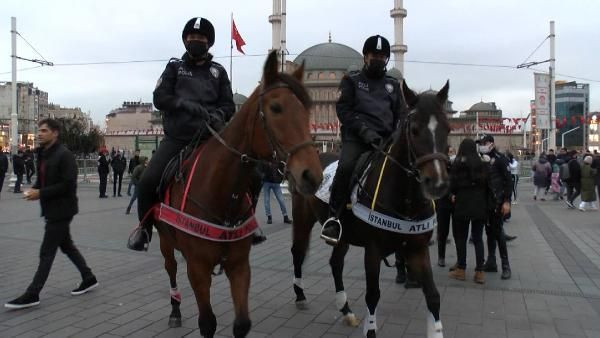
[191, 92]
[369, 108]
[574, 180]
[56, 188]
[133, 162]
[3, 168]
[103, 171]
[29, 165]
[118, 164]
[19, 170]
[500, 182]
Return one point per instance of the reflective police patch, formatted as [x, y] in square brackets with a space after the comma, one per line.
[389, 87]
[363, 86]
[215, 72]
[183, 72]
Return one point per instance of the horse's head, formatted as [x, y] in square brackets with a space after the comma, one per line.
[283, 104]
[426, 132]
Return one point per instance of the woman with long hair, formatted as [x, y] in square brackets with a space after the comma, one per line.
[469, 189]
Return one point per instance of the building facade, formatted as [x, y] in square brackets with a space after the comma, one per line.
[134, 125]
[32, 103]
[572, 111]
[55, 111]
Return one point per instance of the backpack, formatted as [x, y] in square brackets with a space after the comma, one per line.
[564, 173]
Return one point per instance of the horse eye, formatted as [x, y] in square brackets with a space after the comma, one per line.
[276, 108]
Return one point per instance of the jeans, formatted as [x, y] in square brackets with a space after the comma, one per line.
[133, 198]
[573, 190]
[515, 179]
[117, 177]
[443, 219]
[276, 188]
[460, 231]
[129, 187]
[494, 230]
[56, 236]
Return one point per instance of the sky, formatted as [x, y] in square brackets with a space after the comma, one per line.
[455, 31]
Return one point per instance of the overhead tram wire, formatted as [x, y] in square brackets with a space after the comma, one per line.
[30, 45]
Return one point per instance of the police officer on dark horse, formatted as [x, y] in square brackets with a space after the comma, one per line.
[191, 91]
[369, 109]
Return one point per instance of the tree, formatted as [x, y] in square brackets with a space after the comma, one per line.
[74, 137]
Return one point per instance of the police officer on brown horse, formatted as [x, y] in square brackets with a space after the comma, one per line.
[191, 91]
[369, 108]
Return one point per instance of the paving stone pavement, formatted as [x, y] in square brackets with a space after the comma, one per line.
[554, 292]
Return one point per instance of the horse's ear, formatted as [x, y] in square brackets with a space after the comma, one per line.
[270, 69]
[299, 72]
[442, 95]
[409, 96]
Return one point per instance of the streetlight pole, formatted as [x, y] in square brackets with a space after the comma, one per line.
[14, 129]
[565, 133]
[552, 96]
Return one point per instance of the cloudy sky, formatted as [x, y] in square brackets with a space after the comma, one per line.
[458, 31]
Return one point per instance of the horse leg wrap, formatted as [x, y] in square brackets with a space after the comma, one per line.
[370, 323]
[434, 327]
[340, 300]
[175, 295]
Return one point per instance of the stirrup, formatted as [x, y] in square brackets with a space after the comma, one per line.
[328, 239]
[138, 235]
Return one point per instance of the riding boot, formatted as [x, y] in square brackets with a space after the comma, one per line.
[139, 240]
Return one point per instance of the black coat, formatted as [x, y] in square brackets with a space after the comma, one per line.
[500, 180]
[574, 172]
[133, 163]
[18, 165]
[102, 165]
[272, 173]
[118, 163]
[57, 182]
[3, 164]
[471, 190]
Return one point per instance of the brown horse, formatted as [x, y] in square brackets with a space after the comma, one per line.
[401, 183]
[273, 125]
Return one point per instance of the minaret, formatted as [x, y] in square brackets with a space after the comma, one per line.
[275, 21]
[398, 48]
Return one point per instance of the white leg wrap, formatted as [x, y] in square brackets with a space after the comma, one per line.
[340, 299]
[434, 328]
[370, 322]
[298, 282]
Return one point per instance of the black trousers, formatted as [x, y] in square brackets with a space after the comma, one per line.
[57, 235]
[515, 180]
[1, 181]
[30, 171]
[340, 191]
[573, 190]
[103, 179]
[146, 188]
[117, 177]
[443, 218]
[460, 231]
[18, 182]
[494, 229]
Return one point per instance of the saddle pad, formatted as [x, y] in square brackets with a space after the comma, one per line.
[393, 224]
[324, 191]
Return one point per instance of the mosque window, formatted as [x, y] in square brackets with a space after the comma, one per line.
[332, 75]
[321, 75]
[309, 75]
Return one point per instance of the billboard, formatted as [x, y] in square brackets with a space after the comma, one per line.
[542, 102]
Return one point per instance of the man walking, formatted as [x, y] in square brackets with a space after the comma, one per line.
[103, 171]
[574, 180]
[135, 179]
[118, 164]
[3, 168]
[19, 170]
[29, 166]
[135, 160]
[56, 188]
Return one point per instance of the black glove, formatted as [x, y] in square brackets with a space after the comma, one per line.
[194, 108]
[369, 136]
[216, 122]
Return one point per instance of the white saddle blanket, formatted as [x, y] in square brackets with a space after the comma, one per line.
[324, 191]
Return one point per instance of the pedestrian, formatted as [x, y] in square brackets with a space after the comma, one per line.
[29, 164]
[103, 171]
[573, 179]
[444, 209]
[118, 164]
[588, 191]
[192, 91]
[563, 171]
[596, 165]
[3, 168]
[542, 172]
[500, 183]
[369, 108]
[18, 170]
[133, 162]
[555, 179]
[272, 178]
[469, 193]
[514, 173]
[56, 188]
[135, 179]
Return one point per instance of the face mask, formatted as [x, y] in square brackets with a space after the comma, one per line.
[452, 158]
[197, 49]
[376, 68]
[485, 149]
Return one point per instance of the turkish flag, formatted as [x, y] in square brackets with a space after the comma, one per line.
[235, 35]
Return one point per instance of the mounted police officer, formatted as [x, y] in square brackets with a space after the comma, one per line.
[369, 108]
[191, 91]
[500, 183]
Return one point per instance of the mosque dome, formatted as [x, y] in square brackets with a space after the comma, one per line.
[330, 56]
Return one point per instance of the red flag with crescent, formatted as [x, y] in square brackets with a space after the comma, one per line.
[235, 35]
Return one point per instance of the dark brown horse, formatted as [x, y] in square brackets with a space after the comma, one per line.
[273, 125]
[402, 181]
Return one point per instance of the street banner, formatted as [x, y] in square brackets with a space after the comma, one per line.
[542, 102]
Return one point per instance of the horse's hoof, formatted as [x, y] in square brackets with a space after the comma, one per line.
[371, 334]
[351, 320]
[301, 304]
[174, 322]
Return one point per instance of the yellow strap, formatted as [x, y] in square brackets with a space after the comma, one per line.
[379, 179]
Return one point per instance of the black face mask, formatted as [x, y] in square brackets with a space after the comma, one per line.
[197, 49]
[375, 68]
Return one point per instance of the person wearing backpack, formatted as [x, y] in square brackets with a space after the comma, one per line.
[541, 176]
[574, 179]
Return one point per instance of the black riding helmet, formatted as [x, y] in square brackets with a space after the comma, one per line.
[377, 44]
[201, 26]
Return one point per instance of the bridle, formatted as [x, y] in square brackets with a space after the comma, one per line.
[280, 154]
[414, 162]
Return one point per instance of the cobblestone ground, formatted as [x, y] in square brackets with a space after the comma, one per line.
[554, 292]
